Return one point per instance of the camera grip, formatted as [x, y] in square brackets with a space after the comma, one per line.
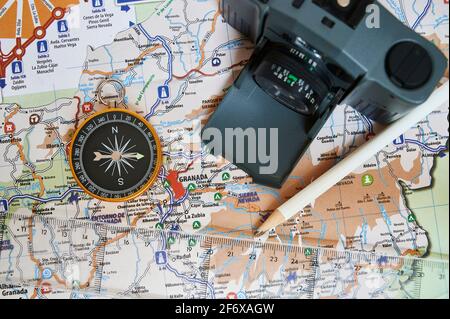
[246, 16]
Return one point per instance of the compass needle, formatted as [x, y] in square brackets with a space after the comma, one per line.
[99, 156]
[135, 156]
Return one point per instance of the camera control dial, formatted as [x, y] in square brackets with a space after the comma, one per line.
[409, 65]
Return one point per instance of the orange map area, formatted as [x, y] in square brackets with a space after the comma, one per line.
[337, 216]
[334, 218]
[8, 20]
[30, 22]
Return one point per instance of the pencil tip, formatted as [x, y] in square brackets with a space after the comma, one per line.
[259, 233]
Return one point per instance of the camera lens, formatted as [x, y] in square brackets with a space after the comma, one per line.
[296, 78]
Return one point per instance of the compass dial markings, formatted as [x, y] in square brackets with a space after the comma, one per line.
[116, 155]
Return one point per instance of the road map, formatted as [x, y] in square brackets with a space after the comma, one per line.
[177, 58]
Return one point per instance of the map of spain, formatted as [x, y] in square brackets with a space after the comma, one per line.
[176, 59]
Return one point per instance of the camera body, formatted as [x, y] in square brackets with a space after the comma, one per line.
[312, 55]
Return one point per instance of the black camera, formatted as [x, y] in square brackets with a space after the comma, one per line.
[310, 56]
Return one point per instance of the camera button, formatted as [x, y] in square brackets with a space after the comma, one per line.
[408, 65]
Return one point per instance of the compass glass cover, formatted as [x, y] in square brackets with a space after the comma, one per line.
[115, 156]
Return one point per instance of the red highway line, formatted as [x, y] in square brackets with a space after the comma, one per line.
[242, 63]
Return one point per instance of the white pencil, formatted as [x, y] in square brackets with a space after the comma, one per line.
[360, 156]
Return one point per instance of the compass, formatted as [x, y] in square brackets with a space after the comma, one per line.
[115, 155]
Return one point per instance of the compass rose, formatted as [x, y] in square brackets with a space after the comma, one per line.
[117, 157]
